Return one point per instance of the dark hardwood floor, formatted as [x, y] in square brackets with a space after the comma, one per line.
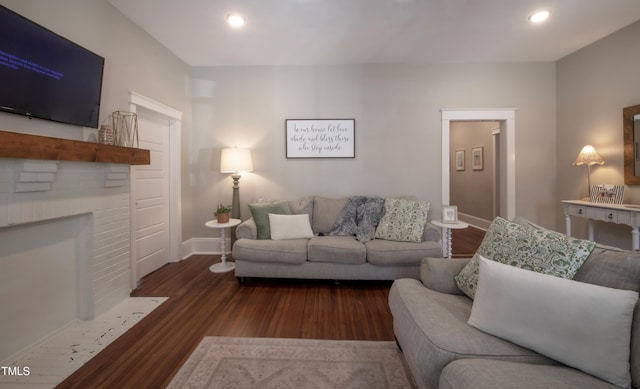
[202, 303]
[465, 242]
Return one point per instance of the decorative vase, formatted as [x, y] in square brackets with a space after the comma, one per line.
[125, 128]
[105, 135]
[223, 218]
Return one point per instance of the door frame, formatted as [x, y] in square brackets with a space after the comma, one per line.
[507, 118]
[174, 118]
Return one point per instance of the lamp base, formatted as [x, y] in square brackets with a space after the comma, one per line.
[222, 267]
[235, 202]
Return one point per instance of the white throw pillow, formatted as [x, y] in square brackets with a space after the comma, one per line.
[289, 226]
[584, 326]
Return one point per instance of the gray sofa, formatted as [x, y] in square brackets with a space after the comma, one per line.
[329, 257]
[443, 351]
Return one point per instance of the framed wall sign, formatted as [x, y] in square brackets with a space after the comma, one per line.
[320, 138]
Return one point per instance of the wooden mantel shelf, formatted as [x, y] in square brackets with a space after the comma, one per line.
[25, 146]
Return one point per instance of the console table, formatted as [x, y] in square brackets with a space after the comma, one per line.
[628, 214]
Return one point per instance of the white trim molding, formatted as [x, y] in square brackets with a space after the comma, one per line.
[175, 179]
[203, 246]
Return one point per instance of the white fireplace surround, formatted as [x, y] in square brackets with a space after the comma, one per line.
[61, 209]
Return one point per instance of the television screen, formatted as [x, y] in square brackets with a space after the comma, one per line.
[46, 76]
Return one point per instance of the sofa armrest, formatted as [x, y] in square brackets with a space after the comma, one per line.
[431, 233]
[247, 230]
[438, 273]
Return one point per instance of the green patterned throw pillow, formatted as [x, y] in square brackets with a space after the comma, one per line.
[539, 250]
[403, 220]
[260, 213]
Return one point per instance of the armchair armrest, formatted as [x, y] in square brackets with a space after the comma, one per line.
[431, 233]
[247, 230]
[438, 273]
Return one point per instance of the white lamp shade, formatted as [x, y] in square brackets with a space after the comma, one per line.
[588, 156]
[235, 160]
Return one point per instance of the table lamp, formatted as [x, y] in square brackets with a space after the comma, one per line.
[588, 156]
[235, 160]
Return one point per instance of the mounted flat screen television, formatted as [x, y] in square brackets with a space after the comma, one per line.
[46, 76]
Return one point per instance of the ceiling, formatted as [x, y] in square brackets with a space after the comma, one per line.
[306, 32]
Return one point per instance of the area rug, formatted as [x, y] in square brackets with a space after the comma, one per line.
[266, 363]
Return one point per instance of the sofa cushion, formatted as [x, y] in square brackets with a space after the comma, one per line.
[291, 251]
[289, 226]
[341, 249]
[303, 205]
[555, 317]
[325, 213]
[391, 253]
[490, 374]
[403, 220]
[540, 250]
[260, 213]
[432, 330]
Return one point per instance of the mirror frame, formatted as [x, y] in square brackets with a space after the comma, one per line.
[629, 153]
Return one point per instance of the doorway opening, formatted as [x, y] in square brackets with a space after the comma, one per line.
[505, 177]
[475, 171]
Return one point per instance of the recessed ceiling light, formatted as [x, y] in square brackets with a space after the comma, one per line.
[539, 16]
[235, 20]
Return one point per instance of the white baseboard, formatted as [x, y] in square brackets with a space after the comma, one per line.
[480, 223]
[195, 246]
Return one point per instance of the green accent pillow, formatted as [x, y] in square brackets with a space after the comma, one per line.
[260, 213]
[403, 220]
[539, 250]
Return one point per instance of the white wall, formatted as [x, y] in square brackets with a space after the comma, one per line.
[398, 140]
[133, 61]
[594, 85]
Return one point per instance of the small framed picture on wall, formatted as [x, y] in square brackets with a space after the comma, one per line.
[477, 158]
[459, 160]
[449, 214]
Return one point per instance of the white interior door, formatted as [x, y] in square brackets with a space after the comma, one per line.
[151, 195]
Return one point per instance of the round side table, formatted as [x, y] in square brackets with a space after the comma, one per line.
[223, 266]
[448, 227]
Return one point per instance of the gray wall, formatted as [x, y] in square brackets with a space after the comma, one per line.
[398, 129]
[133, 62]
[472, 190]
[594, 84]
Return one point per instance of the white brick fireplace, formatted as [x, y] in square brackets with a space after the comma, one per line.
[64, 245]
